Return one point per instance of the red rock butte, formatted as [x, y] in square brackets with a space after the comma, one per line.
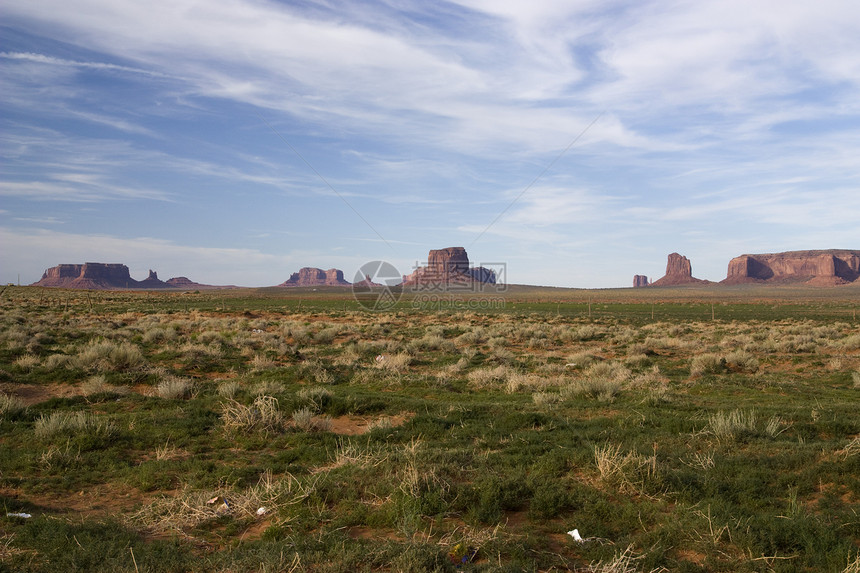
[679, 272]
[312, 276]
[825, 268]
[448, 267]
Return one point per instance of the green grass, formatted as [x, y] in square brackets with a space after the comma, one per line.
[677, 429]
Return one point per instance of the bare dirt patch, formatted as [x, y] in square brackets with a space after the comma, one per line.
[355, 425]
[31, 394]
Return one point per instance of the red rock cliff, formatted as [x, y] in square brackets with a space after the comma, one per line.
[448, 268]
[96, 276]
[829, 267]
[311, 276]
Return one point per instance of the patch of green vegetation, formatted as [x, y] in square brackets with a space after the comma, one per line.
[683, 429]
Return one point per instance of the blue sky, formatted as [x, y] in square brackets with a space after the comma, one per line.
[234, 142]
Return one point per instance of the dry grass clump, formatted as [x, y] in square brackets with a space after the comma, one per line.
[98, 384]
[742, 361]
[262, 363]
[451, 371]
[267, 388]
[631, 472]
[190, 508]
[158, 334]
[262, 416]
[317, 396]
[105, 356]
[707, 364]
[546, 399]
[579, 360]
[603, 380]
[396, 363]
[174, 388]
[624, 562]
[10, 406]
[855, 377]
[729, 426]
[738, 424]
[517, 381]
[47, 426]
[27, 361]
[852, 448]
[196, 352]
[305, 419]
[486, 377]
[229, 388]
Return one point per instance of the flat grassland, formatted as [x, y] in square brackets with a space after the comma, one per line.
[698, 429]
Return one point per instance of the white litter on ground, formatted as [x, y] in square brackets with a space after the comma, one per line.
[576, 536]
[24, 515]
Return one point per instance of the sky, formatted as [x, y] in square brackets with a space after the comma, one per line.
[577, 142]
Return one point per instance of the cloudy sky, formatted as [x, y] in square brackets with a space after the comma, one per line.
[579, 142]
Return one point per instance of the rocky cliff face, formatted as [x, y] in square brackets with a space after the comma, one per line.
[311, 276]
[96, 276]
[830, 267]
[679, 271]
[448, 268]
[640, 281]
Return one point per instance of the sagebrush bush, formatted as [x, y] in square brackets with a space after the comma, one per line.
[707, 364]
[174, 388]
[742, 361]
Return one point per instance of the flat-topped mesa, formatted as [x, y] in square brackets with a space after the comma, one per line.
[679, 271]
[448, 268]
[640, 281]
[312, 276]
[826, 268]
[96, 276]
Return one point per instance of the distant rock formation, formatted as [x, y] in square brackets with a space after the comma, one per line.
[640, 281]
[311, 276]
[96, 276]
[679, 271]
[448, 268]
[185, 283]
[825, 268]
[109, 276]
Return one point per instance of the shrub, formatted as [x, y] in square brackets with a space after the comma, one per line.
[10, 406]
[742, 361]
[261, 416]
[27, 361]
[397, 362]
[602, 380]
[304, 419]
[318, 396]
[228, 388]
[261, 363]
[484, 377]
[173, 388]
[707, 364]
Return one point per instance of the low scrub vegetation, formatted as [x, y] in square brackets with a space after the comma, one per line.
[264, 431]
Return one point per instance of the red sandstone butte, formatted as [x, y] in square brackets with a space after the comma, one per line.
[679, 271]
[448, 267]
[824, 268]
[311, 276]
